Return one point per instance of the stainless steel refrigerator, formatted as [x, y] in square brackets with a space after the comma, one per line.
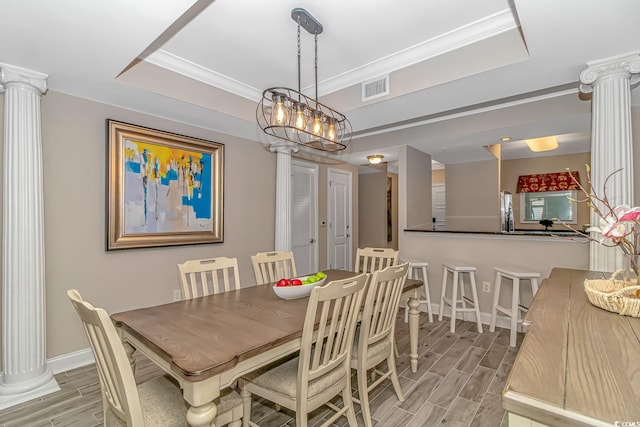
[506, 212]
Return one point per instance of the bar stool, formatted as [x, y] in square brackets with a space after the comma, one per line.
[414, 272]
[514, 311]
[458, 272]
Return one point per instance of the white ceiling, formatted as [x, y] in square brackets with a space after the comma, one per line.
[463, 73]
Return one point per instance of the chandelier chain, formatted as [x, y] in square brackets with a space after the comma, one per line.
[299, 55]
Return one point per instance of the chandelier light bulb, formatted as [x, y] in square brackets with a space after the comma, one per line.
[300, 119]
[280, 112]
[316, 124]
[331, 129]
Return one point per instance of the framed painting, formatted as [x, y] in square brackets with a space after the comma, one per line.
[163, 189]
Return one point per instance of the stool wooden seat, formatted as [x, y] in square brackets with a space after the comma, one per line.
[458, 271]
[416, 269]
[513, 312]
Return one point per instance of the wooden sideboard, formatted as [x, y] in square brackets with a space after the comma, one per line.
[578, 364]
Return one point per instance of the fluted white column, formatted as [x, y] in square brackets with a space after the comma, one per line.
[610, 81]
[283, 194]
[25, 374]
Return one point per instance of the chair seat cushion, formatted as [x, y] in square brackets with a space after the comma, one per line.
[162, 403]
[282, 379]
[374, 352]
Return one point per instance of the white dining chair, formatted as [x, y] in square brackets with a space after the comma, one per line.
[374, 342]
[200, 277]
[321, 370]
[272, 266]
[369, 260]
[156, 402]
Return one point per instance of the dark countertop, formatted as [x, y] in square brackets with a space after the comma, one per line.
[517, 232]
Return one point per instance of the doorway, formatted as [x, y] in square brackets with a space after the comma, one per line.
[339, 216]
[304, 238]
[438, 206]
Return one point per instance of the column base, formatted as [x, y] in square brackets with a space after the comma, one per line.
[11, 395]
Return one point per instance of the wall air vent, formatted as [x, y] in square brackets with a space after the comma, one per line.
[375, 88]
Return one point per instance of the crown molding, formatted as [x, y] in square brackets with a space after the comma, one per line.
[484, 28]
[474, 32]
[169, 61]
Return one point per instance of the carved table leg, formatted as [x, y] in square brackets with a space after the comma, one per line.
[201, 416]
[414, 318]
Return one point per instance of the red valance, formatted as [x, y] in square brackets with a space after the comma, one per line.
[560, 181]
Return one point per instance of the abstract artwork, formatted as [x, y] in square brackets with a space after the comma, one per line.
[163, 189]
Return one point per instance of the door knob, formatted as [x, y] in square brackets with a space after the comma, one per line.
[312, 240]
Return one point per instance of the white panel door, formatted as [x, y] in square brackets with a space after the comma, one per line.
[339, 233]
[304, 239]
[438, 205]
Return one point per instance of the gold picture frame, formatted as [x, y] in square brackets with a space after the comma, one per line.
[163, 189]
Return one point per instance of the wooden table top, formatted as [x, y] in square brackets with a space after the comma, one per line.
[578, 364]
[205, 336]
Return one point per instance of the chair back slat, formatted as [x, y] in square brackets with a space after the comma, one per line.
[381, 305]
[369, 260]
[202, 277]
[335, 308]
[272, 266]
[117, 381]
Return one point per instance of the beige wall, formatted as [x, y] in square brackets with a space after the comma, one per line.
[539, 254]
[372, 202]
[418, 190]
[73, 139]
[512, 169]
[472, 197]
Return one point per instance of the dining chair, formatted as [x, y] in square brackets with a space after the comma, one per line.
[321, 370]
[200, 277]
[374, 342]
[369, 260]
[272, 266]
[156, 402]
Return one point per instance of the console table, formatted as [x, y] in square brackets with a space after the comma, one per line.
[578, 364]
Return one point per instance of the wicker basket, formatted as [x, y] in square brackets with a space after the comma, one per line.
[618, 296]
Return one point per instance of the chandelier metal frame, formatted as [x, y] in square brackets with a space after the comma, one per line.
[291, 115]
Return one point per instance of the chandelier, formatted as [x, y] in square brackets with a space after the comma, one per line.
[293, 116]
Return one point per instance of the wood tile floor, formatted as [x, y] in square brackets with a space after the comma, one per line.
[459, 381]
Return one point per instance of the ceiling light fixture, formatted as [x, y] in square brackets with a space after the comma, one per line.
[375, 159]
[291, 115]
[505, 139]
[537, 145]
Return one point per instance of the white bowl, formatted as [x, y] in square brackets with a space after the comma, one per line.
[294, 292]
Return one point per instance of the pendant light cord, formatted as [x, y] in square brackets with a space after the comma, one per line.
[316, 65]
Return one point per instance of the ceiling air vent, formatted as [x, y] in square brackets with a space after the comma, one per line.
[376, 88]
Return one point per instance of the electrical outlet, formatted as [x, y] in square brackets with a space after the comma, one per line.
[177, 295]
[486, 287]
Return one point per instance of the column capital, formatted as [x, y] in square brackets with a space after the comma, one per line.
[12, 74]
[284, 147]
[624, 66]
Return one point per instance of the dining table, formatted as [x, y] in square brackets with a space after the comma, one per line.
[207, 343]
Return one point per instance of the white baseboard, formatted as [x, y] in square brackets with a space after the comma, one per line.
[485, 318]
[70, 361]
